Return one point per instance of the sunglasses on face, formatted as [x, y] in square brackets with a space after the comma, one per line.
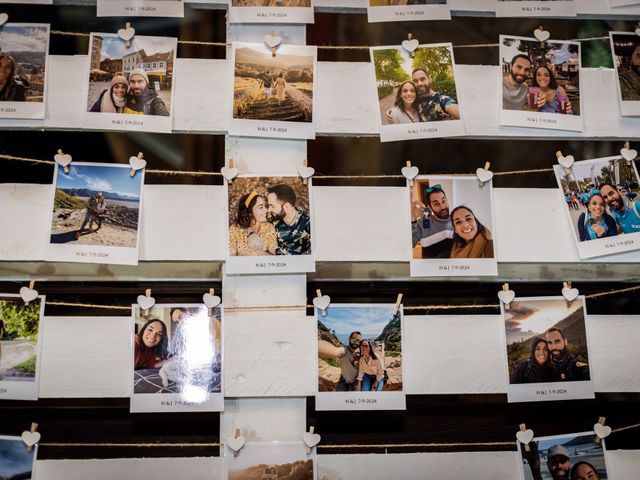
[355, 340]
[435, 188]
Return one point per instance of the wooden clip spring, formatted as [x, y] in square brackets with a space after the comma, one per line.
[127, 27]
[598, 438]
[321, 305]
[396, 307]
[523, 428]
[304, 179]
[33, 429]
[147, 293]
[505, 288]
[408, 165]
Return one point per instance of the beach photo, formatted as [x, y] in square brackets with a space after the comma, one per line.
[572, 456]
[536, 8]
[130, 88]
[19, 347]
[140, 8]
[273, 96]
[406, 10]
[281, 460]
[96, 213]
[452, 227]
[360, 357]
[625, 50]
[269, 225]
[547, 349]
[16, 463]
[177, 359]
[600, 198]
[416, 92]
[271, 11]
[24, 48]
[540, 83]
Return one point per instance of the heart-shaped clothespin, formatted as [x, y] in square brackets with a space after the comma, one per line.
[396, 307]
[566, 162]
[305, 172]
[229, 172]
[311, 439]
[127, 33]
[525, 436]
[409, 172]
[63, 159]
[638, 30]
[541, 34]
[506, 296]
[137, 163]
[322, 302]
[602, 430]
[569, 293]
[627, 153]
[28, 294]
[272, 41]
[236, 443]
[211, 300]
[146, 301]
[410, 44]
[484, 174]
[4, 17]
[32, 437]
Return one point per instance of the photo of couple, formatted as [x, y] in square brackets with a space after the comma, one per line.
[541, 78]
[625, 50]
[601, 198]
[573, 456]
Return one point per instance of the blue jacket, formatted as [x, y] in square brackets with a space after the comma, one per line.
[612, 227]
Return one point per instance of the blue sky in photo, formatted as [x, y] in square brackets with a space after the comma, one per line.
[113, 46]
[367, 319]
[14, 458]
[20, 38]
[100, 178]
[544, 445]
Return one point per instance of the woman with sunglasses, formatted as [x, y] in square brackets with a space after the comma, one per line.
[596, 222]
[471, 239]
[370, 369]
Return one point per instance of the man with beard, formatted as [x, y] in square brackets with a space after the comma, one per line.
[348, 356]
[432, 226]
[566, 367]
[293, 226]
[515, 92]
[630, 78]
[558, 462]
[625, 212]
[433, 106]
[141, 100]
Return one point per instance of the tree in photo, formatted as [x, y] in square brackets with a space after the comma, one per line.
[389, 71]
[20, 321]
[440, 65]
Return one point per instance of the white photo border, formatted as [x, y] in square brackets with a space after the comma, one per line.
[34, 449]
[229, 453]
[566, 8]
[403, 13]
[271, 14]
[628, 108]
[140, 8]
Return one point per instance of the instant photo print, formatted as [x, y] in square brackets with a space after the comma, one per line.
[271, 11]
[16, 462]
[406, 10]
[625, 50]
[271, 461]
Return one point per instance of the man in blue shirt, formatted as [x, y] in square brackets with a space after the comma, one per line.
[626, 212]
[293, 226]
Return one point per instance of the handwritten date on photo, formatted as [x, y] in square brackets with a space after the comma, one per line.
[551, 391]
[360, 401]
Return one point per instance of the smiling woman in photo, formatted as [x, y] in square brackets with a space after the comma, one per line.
[471, 239]
[252, 234]
[537, 368]
[406, 105]
[596, 222]
[556, 100]
[151, 345]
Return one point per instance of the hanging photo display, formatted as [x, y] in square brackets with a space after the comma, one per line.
[547, 349]
[95, 217]
[405, 10]
[600, 199]
[625, 50]
[24, 50]
[270, 225]
[20, 348]
[360, 364]
[271, 11]
[16, 461]
[273, 96]
[271, 461]
[568, 456]
[536, 8]
[416, 92]
[130, 88]
[540, 83]
[452, 224]
[140, 8]
[177, 359]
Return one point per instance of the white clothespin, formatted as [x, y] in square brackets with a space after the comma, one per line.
[28, 294]
[525, 436]
[311, 439]
[127, 33]
[484, 174]
[321, 302]
[506, 296]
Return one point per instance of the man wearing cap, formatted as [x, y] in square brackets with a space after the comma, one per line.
[96, 208]
[558, 462]
[143, 101]
[566, 367]
[349, 358]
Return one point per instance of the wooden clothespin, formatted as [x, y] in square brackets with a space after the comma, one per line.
[566, 292]
[566, 162]
[412, 52]
[523, 428]
[304, 179]
[147, 293]
[34, 428]
[628, 154]
[398, 303]
[507, 305]
[237, 435]
[408, 165]
[274, 48]
[484, 174]
[32, 283]
[28, 294]
[65, 165]
[127, 27]
[598, 439]
[231, 167]
[212, 292]
[323, 308]
[132, 173]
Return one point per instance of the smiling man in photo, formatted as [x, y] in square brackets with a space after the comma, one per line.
[566, 366]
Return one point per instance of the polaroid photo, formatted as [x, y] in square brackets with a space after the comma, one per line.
[407, 10]
[360, 363]
[130, 89]
[271, 461]
[547, 349]
[16, 462]
[95, 216]
[416, 92]
[271, 11]
[140, 8]
[625, 50]
[273, 96]
[600, 199]
[24, 51]
[569, 456]
[177, 359]
[452, 225]
[540, 83]
[536, 8]
[270, 225]
[20, 348]
[623, 3]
